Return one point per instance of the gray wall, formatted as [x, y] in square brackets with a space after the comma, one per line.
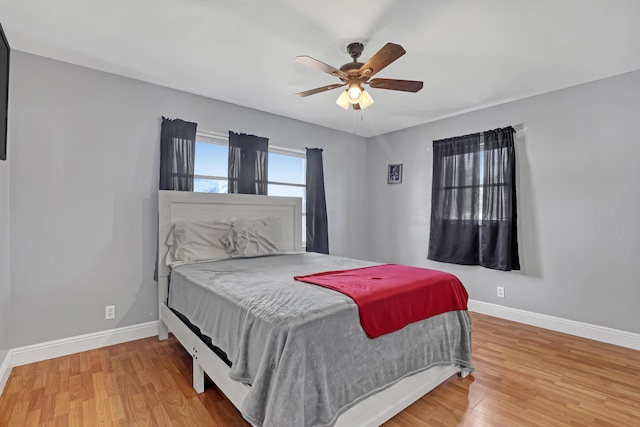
[83, 203]
[579, 202]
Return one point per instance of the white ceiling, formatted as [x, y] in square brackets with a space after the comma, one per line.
[469, 53]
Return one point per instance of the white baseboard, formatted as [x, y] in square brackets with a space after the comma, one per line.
[5, 370]
[585, 330]
[77, 344]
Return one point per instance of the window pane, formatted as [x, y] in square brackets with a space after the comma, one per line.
[289, 191]
[283, 168]
[201, 185]
[211, 159]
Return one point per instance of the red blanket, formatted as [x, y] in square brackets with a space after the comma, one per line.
[391, 296]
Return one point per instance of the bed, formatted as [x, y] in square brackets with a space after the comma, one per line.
[310, 374]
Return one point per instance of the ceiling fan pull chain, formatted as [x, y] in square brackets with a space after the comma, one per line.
[354, 122]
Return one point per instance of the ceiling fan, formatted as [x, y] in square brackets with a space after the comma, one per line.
[355, 74]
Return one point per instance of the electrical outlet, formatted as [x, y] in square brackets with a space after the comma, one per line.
[500, 291]
[109, 311]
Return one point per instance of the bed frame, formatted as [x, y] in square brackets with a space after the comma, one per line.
[175, 205]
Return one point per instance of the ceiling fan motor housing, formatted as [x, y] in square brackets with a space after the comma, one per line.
[351, 66]
[354, 68]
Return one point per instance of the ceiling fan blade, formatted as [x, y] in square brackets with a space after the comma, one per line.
[320, 89]
[385, 56]
[393, 84]
[356, 107]
[319, 65]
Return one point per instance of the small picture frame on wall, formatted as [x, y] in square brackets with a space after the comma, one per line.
[395, 174]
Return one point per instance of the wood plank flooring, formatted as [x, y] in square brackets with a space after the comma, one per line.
[524, 376]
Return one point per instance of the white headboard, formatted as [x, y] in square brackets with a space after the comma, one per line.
[175, 205]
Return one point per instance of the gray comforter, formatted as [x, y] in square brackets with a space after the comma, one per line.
[301, 346]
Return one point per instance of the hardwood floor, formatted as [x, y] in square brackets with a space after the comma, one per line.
[524, 376]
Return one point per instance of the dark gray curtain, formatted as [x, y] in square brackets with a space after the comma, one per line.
[177, 157]
[498, 234]
[248, 163]
[317, 226]
[455, 191]
[473, 202]
[177, 154]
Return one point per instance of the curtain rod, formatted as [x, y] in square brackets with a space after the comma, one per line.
[213, 135]
[225, 137]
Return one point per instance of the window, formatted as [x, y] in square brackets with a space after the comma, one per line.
[287, 171]
[473, 207]
[210, 167]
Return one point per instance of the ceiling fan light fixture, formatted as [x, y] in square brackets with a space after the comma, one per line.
[343, 100]
[354, 93]
[366, 100]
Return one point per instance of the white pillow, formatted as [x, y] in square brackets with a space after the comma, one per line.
[254, 237]
[196, 240]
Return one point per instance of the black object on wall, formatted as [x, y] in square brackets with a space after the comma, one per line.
[4, 92]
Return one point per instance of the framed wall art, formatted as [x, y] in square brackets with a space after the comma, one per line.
[394, 175]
